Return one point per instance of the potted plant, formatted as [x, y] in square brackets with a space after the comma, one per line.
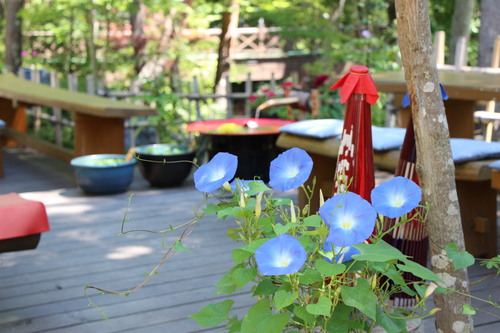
[168, 161]
[103, 173]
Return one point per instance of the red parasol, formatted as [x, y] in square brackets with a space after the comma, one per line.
[355, 169]
[410, 238]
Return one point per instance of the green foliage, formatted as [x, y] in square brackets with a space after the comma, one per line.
[330, 295]
[460, 259]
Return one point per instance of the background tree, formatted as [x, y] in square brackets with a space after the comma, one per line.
[436, 175]
[489, 30]
[13, 35]
[460, 25]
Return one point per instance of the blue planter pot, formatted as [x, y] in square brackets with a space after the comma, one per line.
[173, 173]
[96, 175]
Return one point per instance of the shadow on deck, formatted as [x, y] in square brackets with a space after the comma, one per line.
[42, 290]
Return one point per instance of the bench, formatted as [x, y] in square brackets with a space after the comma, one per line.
[477, 198]
[99, 122]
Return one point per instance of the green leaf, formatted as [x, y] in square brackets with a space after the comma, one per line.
[265, 287]
[329, 269]
[256, 188]
[391, 323]
[310, 276]
[283, 299]
[340, 322]
[302, 313]
[460, 259]
[468, 310]
[213, 314]
[240, 255]
[234, 325]
[360, 297]
[380, 251]
[322, 308]
[259, 318]
[179, 247]
[242, 276]
[312, 221]
[253, 246]
[211, 209]
[226, 284]
[418, 270]
[283, 229]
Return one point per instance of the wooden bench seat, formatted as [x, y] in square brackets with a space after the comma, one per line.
[477, 198]
[99, 122]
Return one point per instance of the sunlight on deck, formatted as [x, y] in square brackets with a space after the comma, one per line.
[128, 252]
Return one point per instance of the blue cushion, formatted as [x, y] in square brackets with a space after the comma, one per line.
[2, 123]
[387, 138]
[315, 128]
[465, 150]
[495, 165]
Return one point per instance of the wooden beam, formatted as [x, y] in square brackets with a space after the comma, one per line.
[42, 146]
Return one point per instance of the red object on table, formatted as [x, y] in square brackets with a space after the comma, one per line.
[355, 167]
[265, 126]
[20, 218]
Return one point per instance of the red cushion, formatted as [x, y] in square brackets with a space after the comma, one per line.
[21, 217]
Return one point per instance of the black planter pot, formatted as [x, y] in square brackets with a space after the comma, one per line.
[170, 174]
[255, 153]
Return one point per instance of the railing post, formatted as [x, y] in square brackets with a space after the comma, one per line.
[196, 91]
[90, 84]
[248, 93]
[56, 112]
[439, 42]
[72, 82]
[229, 92]
[35, 77]
[262, 36]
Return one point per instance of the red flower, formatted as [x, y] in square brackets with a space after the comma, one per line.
[320, 80]
[270, 94]
[252, 98]
[286, 84]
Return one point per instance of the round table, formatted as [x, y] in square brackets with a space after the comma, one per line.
[254, 147]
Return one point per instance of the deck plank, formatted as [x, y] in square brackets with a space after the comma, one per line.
[42, 290]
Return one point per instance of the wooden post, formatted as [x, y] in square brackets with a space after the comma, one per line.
[196, 91]
[490, 106]
[229, 93]
[35, 77]
[248, 93]
[439, 44]
[262, 36]
[56, 112]
[436, 175]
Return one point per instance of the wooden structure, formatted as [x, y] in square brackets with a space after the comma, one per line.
[478, 201]
[464, 88]
[99, 122]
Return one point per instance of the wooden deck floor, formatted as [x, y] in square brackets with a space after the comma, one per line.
[42, 290]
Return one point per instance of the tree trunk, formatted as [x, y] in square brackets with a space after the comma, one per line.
[229, 25]
[139, 41]
[460, 24]
[13, 35]
[488, 31]
[436, 175]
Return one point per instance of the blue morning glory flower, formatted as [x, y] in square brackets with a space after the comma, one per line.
[290, 169]
[240, 184]
[396, 197]
[343, 254]
[280, 255]
[350, 217]
[212, 175]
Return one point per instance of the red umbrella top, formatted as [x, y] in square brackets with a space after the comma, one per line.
[355, 168]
